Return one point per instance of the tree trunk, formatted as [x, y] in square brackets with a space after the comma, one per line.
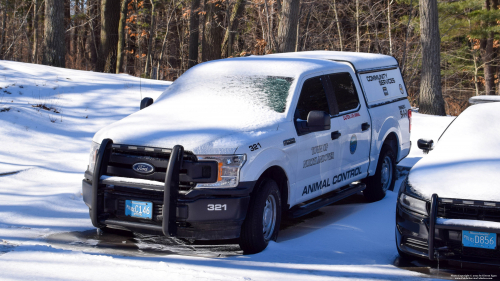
[110, 18]
[232, 28]
[34, 55]
[2, 35]
[67, 26]
[121, 36]
[194, 33]
[431, 99]
[212, 39]
[150, 41]
[54, 38]
[287, 31]
[95, 30]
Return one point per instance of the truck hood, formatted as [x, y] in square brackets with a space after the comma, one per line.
[199, 132]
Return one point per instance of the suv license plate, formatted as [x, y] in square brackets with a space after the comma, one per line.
[139, 209]
[476, 239]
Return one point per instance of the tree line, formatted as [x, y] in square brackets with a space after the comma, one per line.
[444, 59]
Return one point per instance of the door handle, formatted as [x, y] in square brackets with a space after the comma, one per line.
[365, 126]
[336, 135]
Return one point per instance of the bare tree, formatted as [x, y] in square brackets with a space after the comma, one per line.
[431, 99]
[287, 30]
[338, 24]
[487, 53]
[358, 39]
[54, 52]
[34, 58]
[121, 36]
[150, 41]
[232, 28]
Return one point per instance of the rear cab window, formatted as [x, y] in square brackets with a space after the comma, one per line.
[345, 93]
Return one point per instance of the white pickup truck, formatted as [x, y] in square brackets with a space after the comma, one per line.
[233, 145]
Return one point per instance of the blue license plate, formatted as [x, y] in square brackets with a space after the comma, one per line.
[476, 239]
[139, 209]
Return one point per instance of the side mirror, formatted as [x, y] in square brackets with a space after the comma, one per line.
[318, 121]
[145, 102]
[425, 144]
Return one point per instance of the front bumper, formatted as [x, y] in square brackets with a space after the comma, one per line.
[422, 237]
[178, 214]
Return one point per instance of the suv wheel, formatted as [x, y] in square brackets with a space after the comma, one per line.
[385, 176]
[263, 218]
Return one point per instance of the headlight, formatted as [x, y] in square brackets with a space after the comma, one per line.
[93, 156]
[414, 204]
[229, 170]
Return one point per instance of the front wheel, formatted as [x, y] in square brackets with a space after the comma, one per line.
[385, 175]
[263, 218]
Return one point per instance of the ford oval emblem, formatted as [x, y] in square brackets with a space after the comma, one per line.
[143, 168]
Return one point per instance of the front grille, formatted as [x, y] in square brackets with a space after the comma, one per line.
[476, 211]
[123, 157]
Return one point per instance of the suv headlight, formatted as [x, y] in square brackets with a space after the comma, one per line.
[228, 174]
[413, 204]
[93, 156]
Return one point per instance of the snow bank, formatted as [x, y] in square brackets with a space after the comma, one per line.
[466, 161]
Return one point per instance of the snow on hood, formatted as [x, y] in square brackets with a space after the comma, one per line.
[465, 164]
[209, 110]
[155, 129]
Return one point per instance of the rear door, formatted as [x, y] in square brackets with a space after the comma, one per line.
[355, 124]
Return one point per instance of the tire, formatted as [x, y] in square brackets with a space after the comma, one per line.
[384, 178]
[263, 218]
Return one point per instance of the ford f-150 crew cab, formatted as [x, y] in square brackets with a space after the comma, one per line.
[234, 144]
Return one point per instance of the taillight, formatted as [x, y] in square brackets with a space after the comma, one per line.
[409, 118]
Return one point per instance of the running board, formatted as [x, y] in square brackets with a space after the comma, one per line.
[313, 206]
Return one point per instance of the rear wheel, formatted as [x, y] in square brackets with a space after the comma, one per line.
[263, 218]
[385, 175]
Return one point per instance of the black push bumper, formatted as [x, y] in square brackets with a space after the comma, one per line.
[423, 237]
[201, 214]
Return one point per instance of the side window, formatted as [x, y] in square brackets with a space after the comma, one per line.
[344, 90]
[312, 97]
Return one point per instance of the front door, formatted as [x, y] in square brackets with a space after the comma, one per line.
[318, 156]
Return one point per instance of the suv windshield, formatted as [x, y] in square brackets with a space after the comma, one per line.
[255, 91]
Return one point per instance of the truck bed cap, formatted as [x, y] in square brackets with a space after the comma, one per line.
[361, 61]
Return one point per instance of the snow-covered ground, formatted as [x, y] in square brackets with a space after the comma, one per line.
[43, 154]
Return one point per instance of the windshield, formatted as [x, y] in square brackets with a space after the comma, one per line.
[265, 92]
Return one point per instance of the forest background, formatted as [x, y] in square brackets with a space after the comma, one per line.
[161, 39]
